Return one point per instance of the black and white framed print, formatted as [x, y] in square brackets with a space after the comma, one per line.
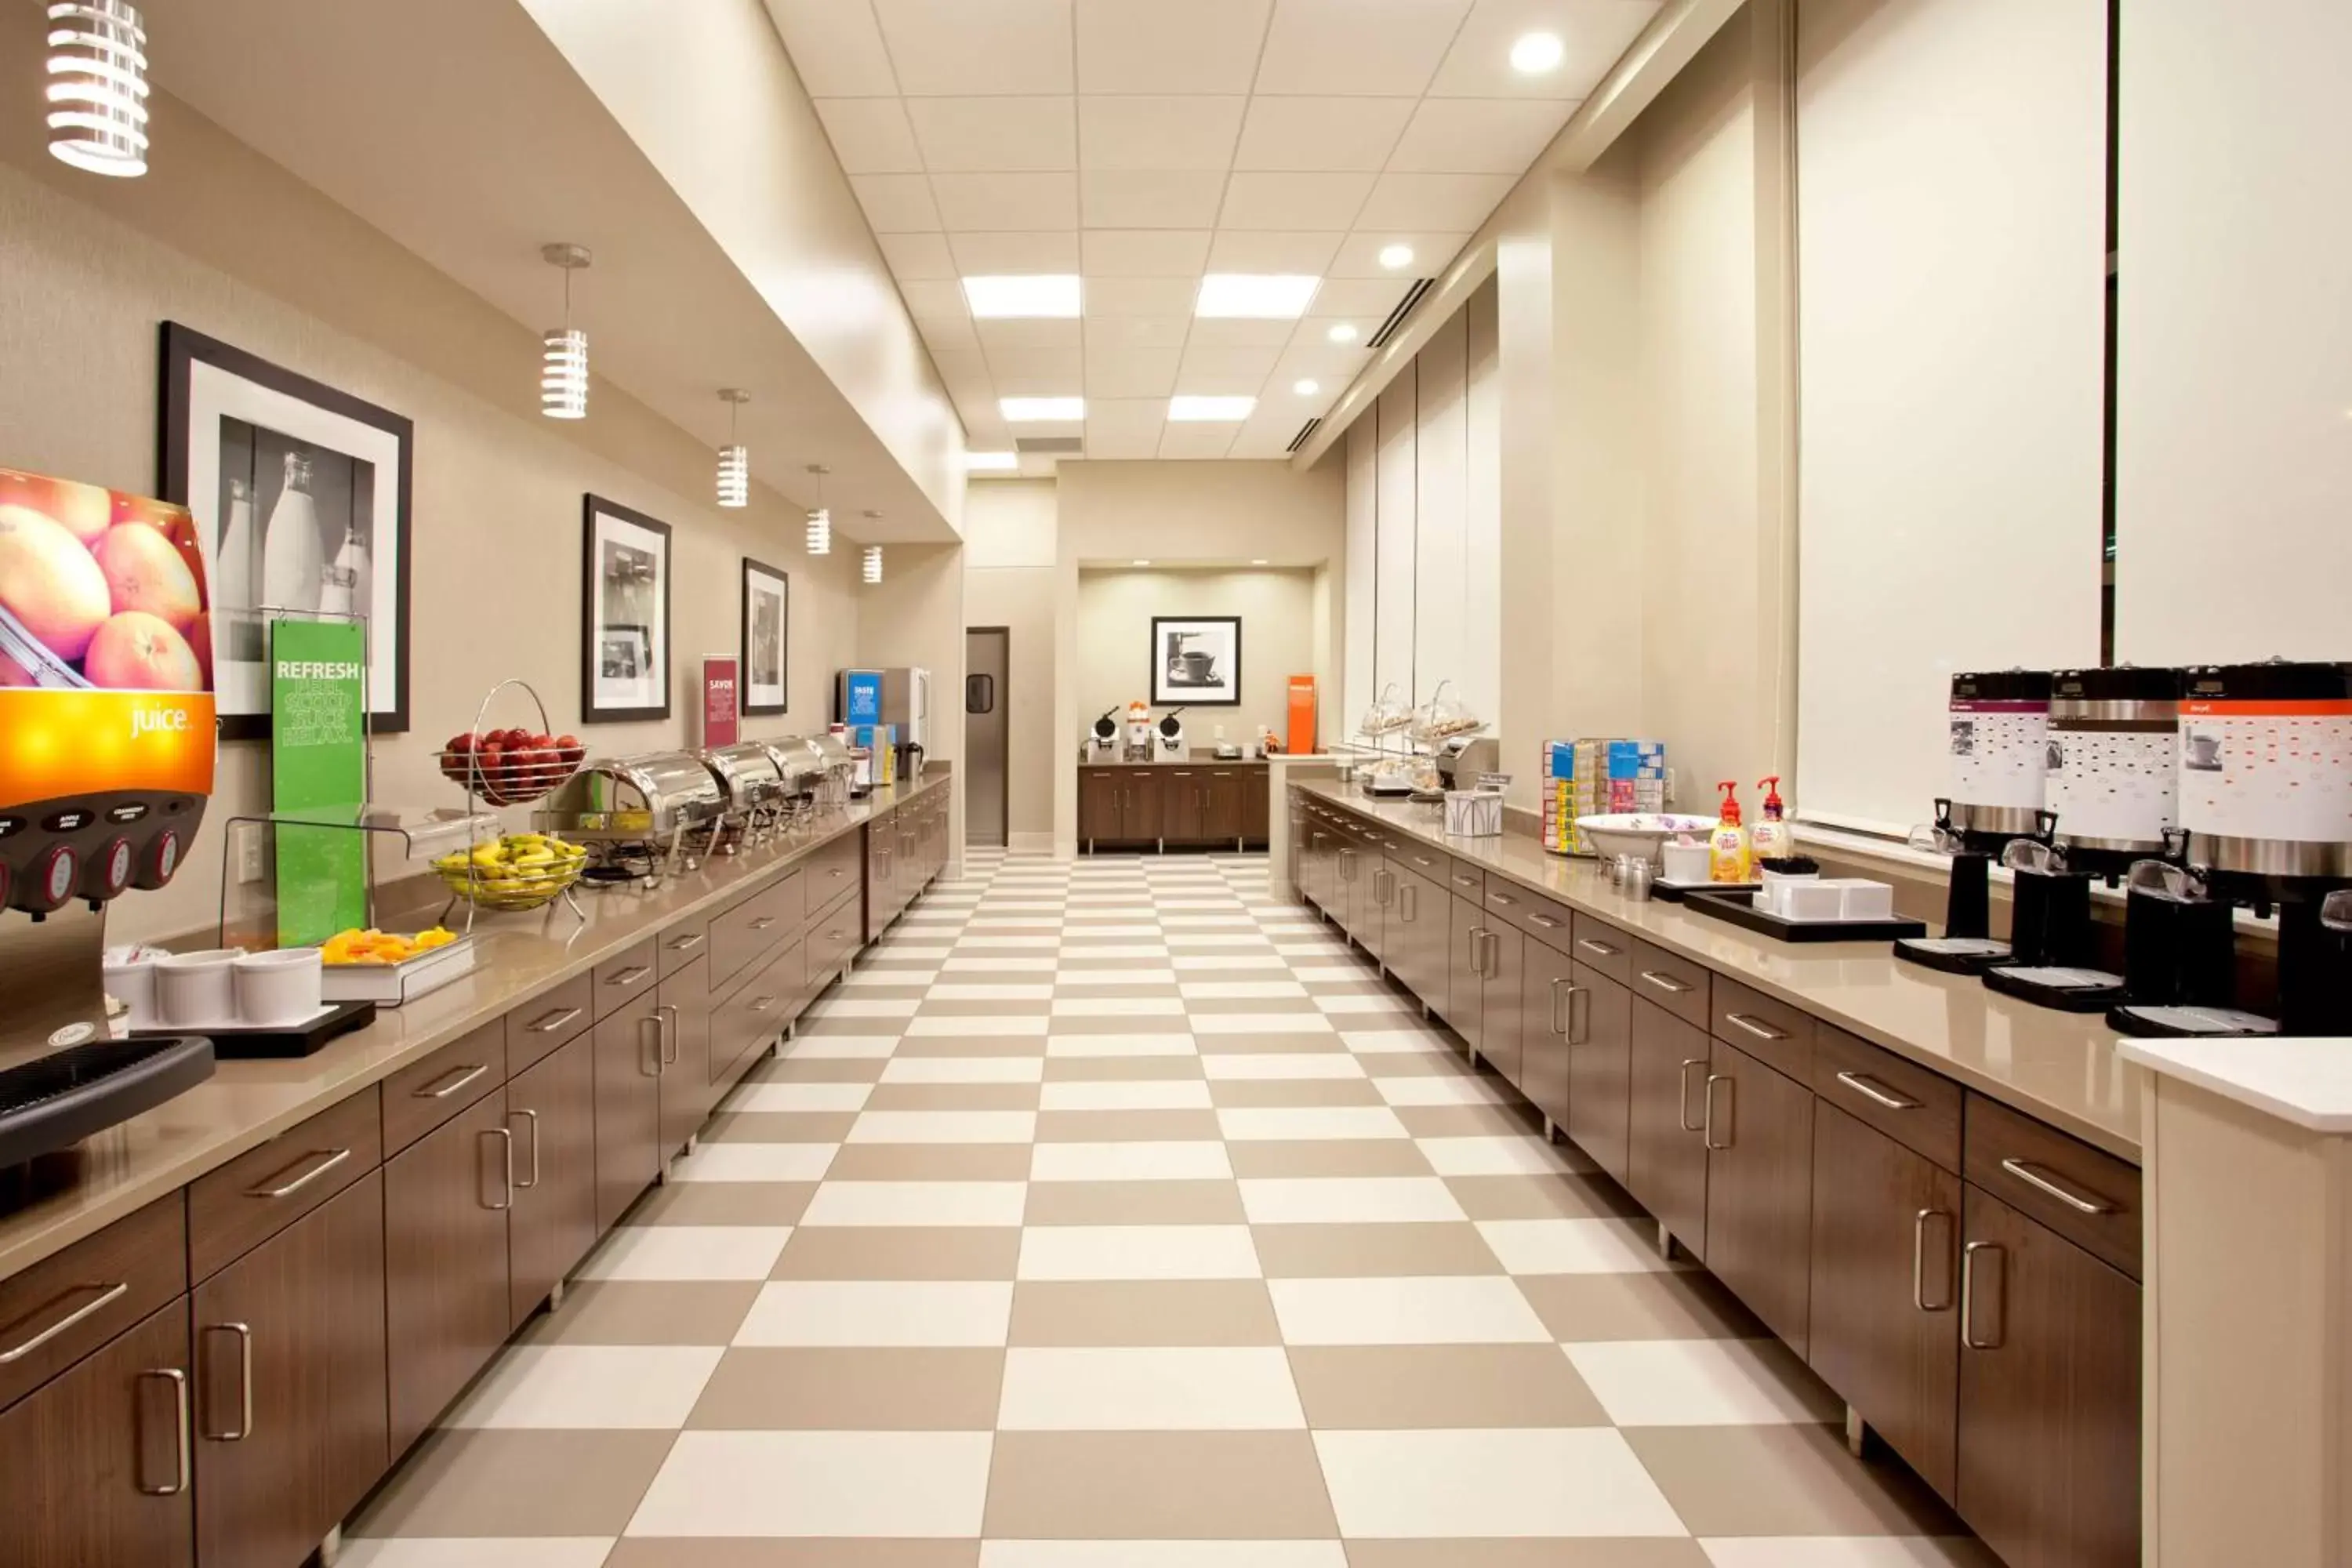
[767, 636]
[625, 665]
[301, 494]
[1196, 661]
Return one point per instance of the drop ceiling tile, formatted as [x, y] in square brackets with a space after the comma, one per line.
[914, 257]
[1321, 135]
[1037, 372]
[977, 404]
[870, 135]
[1140, 295]
[995, 202]
[1228, 332]
[1433, 201]
[1360, 259]
[1186, 439]
[1151, 198]
[995, 135]
[997, 336]
[1251, 250]
[1294, 202]
[1170, 45]
[1116, 428]
[1257, 443]
[1596, 32]
[1139, 331]
[1478, 135]
[1369, 48]
[1145, 253]
[1116, 373]
[1225, 372]
[938, 297]
[835, 47]
[989, 254]
[941, 49]
[963, 371]
[1333, 364]
[945, 333]
[896, 203]
[1159, 132]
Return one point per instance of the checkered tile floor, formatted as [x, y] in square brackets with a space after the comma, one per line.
[1113, 1215]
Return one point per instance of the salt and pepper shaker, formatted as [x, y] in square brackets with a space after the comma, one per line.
[1637, 880]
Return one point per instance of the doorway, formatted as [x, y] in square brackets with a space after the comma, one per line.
[987, 733]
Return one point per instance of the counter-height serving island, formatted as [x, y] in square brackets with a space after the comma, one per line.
[224, 1320]
[1931, 1193]
[1166, 802]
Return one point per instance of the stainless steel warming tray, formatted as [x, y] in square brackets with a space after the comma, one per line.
[799, 764]
[749, 772]
[635, 800]
[840, 770]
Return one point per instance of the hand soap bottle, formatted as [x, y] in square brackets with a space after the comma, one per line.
[1772, 840]
[1727, 859]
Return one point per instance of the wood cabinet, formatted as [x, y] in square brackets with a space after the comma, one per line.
[1665, 1142]
[628, 1107]
[2049, 1395]
[1758, 1129]
[1885, 1289]
[1544, 1003]
[1183, 805]
[1237, 803]
[552, 1112]
[96, 1465]
[1599, 1069]
[682, 1014]
[447, 1308]
[1418, 934]
[1119, 805]
[1466, 980]
[290, 1396]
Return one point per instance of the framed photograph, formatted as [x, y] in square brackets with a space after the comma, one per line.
[623, 615]
[301, 495]
[767, 635]
[1196, 661]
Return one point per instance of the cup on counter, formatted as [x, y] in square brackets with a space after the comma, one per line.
[193, 990]
[281, 987]
[132, 982]
[1685, 862]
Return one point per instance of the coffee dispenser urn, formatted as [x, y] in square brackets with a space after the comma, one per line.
[1999, 726]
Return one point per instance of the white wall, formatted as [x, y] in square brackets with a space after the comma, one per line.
[1113, 647]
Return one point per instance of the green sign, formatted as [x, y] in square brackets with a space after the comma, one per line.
[318, 768]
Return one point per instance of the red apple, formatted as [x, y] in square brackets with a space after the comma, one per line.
[49, 583]
[135, 651]
[145, 572]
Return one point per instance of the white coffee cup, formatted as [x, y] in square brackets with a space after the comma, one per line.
[193, 990]
[1685, 862]
[133, 983]
[281, 987]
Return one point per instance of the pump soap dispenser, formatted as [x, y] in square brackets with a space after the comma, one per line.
[1727, 847]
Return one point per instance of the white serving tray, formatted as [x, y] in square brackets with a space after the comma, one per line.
[390, 984]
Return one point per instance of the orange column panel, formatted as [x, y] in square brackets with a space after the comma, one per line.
[1301, 739]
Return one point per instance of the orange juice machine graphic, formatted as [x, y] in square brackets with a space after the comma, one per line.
[106, 763]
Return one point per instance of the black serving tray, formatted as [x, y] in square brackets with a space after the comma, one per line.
[1739, 909]
[241, 1044]
[1677, 893]
[1952, 963]
[55, 1100]
[2081, 999]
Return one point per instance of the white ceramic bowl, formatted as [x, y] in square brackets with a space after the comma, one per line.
[1637, 834]
[193, 990]
[281, 987]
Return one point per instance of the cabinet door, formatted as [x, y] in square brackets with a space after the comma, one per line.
[1885, 1289]
[1228, 815]
[551, 1110]
[1759, 1187]
[445, 1261]
[628, 1109]
[1544, 1003]
[1417, 935]
[1140, 804]
[1466, 982]
[1182, 809]
[1256, 792]
[687, 1097]
[95, 1464]
[1499, 1023]
[2049, 1401]
[290, 1392]
[1367, 895]
[1601, 1068]
[1665, 1148]
[1097, 803]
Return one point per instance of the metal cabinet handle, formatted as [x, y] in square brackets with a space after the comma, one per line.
[1503, 899]
[244, 1427]
[1462, 882]
[532, 1117]
[1681, 1097]
[328, 1160]
[456, 1079]
[631, 975]
[764, 922]
[107, 1296]
[1408, 903]
[507, 1187]
[1870, 1088]
[1552, 1018]
[665, 1022]
[660, 1058]
[2033, 1178]
[1706, 1126]
[760, 1005]
[1602, 948]
[547, 1024]
[183, 1471]
[689, 943]
[1666, 983]
[1969, 1295]
[1763, 1031]
[1919, 1262]
[1544, 920]
[1580, 1033]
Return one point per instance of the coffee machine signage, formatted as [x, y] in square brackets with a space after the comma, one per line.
[2267, 768]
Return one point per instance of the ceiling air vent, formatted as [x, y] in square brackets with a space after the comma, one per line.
[1306, 434]
[1421, 286]
[1049, 445]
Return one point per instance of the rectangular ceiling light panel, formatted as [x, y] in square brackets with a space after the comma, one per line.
[1274, 297]
[1042, 410]
[1023, 296]
[1210, 410]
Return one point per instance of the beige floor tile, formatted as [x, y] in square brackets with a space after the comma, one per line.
[953, 1097]
[901, 1252]
[1332, 1157]
[646, 1313]
[1156, 1486]
[1379, 1250]
[914, 1388]
[929, 1162]
[790, 1069]
[1687, 1305]
[724, 1203]
[847, 1551]
[972, 1045]
[1122, 1126]
[1384, 1388]
[1121, 1069]
[1413, 1064]
[1134, 1202]
[1284, 1042]
[1785, 1481]
[1200, 1005]
[837, 1025]
[973, 1007]
[1143, 1312]
[1511, 1116]
[1120, 1024]
[1557, 1196]
[506, 1483]
[1229, 1092]
[779, 1127]
[1534, 1552]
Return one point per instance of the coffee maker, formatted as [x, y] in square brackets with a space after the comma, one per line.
[1170, 729]
[2265, 782]
[1999, 725]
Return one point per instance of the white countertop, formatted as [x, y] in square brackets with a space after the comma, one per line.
[2307, 1083]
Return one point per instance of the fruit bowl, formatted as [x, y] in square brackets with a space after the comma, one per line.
[512, 767]
[518, 871]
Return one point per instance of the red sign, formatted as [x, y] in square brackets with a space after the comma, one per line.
[721, 708]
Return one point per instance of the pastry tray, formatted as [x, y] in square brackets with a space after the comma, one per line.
[1741, 909]
[242, 1042]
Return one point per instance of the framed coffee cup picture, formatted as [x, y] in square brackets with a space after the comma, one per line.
[1196, 661]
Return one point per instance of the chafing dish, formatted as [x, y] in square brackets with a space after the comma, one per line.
[669, 804]
[840, 770]
[758, 799]
[800, 765]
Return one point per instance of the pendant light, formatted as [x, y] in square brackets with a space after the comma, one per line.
[820, 521]
[734, 458]
[872, 568]
[563, 353]
[98, 86]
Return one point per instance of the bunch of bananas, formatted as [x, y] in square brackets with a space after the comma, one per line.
[517, 871]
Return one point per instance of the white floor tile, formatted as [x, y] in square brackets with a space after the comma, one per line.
[1248, 941]
[754, 1163]
[1075, 929]
[1154, 1554]
[1573, 1245]
[1118, 1007]
[862, 978]
[879, 1312]
[428, 1552]
[801, 1097]
[1038, 965]
[1448, 1485]
[954, 1024]
[1833, 1551]
[1011, 989]
[917, 1203]
[822, 1483]
[1260, 1124]
[1385, 1002]
[1121, 1046]
[1305, 966]
[1701, 1383]
[1504, 1154]
[1009, 943]
[1139, 1252]
[1165, 1390]
[841, 1048]
[637, 1387]
[1348, 1200]
[1261, 1024]
[687, 1252]
[1141, 1161]
[1068, 978]
[928, 949]
[866, 1007]
[1123, 950]
[944, 1127]
[1416, 1039]
[1443, 1310]
[1439, 1088]
[1263, 1064]
[1240, 990]
[964, 1070]
[1249, 961]
[1126, 1094]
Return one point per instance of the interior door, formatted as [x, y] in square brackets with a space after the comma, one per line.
[987, 733]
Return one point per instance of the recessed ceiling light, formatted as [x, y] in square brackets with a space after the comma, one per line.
[1043, 294]
[1042, 410]
[1210, 410]
[1260, 561]
[1307, 388]
[1138, 563]
[991, 462]
[1395, 257]
[1273, 296]
[1538, 53]
[1345, 333]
